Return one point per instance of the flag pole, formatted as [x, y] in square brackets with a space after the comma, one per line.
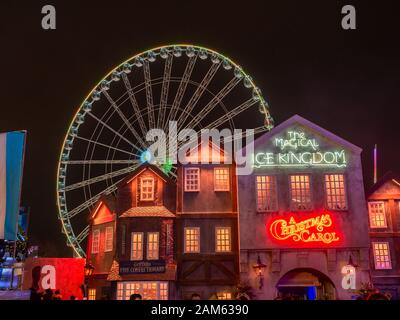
[375, 163]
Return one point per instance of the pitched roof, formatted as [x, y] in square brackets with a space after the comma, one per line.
[106, 199]
[302, 121]
[388, 176]
[151, 211]
[142, 168]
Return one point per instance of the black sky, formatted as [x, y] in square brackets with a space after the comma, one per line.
[297, 53]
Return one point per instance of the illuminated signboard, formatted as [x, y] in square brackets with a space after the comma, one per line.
[315, 230]
[134, 267]
[297, 150]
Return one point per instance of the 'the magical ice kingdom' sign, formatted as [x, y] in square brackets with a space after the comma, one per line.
[296, 149]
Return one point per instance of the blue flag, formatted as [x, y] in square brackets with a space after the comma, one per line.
[12, 150]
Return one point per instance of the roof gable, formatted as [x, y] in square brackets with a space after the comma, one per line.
[388, 184]
[141, 169]
[298, 120]
[102, 213]
[205, 154]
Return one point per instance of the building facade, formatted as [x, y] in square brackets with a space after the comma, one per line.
[384, 224]
[207, 226]
[131, 241]
[303, 217]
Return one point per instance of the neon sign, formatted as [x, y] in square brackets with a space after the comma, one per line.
[304, 152]
[311, 230]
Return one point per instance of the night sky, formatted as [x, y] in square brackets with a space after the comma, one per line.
[296, 51]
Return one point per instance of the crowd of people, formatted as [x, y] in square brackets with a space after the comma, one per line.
[47, 295]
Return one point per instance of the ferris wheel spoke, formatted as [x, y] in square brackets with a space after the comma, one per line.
[100, 178]
[90, 162]
[245, 134]
[231, 114]
[115, 132]
[214, 101]
[164, 90]
[198, 93]
[134, 104]
[173, 173]
[105, 145]
[149, 93]
[124, 119]
[83, 234]
[181, 89]
[88, 203]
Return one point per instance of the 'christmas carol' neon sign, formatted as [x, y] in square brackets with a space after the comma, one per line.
[304, 152]
[309, 230]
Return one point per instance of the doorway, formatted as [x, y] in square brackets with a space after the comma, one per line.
[305, 284]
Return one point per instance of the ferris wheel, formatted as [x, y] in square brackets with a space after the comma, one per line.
[194, 86]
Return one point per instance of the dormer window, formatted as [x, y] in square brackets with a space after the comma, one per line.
[147, 189]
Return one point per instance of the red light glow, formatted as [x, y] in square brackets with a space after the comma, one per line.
[318, 229]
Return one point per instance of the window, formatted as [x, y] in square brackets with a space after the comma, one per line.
[92, 294]
[222, 239]
[149, 290]
[109, 239]
[152, 246]
[192, 240]
[377, 215]
[221, 179]
[300, 192]
[266, 193]
[224, 296]
[335, 192]
[96, 241]
[192, 179]
[382, 255]
[147, 189]
[137, 246]
[163, 291]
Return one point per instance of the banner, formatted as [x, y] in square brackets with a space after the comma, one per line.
[64, 274]
[12, 149]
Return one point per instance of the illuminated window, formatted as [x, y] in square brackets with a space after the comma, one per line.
[192, 240]
[92, 294]
[382, 255]
[152, 246]
[109, 239]
[192, 179]
[137, 246]
[96, 241]
[335, 192]
[224, 296]
[149, 290]
[300, 192]
[377, 215]
[223, 239]
[221, 179]
[163, 291]
[147, 189]
[266, 193]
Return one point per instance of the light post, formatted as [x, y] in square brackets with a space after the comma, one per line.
[88, 269]
[259, 270]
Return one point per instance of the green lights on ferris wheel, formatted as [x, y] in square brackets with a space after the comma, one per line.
[105, 84]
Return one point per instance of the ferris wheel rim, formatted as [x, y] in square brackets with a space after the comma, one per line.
[156, 50]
